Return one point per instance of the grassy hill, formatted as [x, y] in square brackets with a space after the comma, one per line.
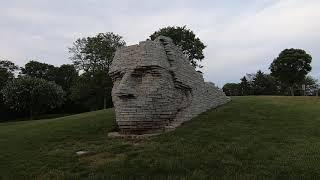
[249, 138]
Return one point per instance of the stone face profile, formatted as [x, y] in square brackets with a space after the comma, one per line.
[156, 89]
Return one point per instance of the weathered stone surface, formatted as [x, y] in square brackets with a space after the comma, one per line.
[156, 89]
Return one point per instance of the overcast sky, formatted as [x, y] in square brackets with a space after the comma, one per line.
[242, 36]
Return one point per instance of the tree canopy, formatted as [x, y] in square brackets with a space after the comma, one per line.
[8, 65]
[31, 94]
[93, 90]
[7, 69]
[291, 67]
[185, 38]
[264, 84]
[311, 85]
[232, 89]
[95, 53]
[94, 56]
[245, 86]
[65, 76]
[258, 83]
[39, 70]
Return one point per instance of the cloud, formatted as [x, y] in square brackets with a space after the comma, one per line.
[242, 36]
[254, 39]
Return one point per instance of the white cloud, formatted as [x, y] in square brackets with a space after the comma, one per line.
[255, 39]
[242, 36]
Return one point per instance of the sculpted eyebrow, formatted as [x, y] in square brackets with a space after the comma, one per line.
[149, 69]
[144, 68]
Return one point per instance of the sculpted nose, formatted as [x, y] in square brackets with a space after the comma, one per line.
[126, 87]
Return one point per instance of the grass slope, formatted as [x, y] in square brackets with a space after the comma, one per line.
[249, 138]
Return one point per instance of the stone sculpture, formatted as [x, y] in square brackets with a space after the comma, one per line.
[156, 89]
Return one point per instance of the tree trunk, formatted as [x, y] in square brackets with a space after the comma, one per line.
[291, 91]
[30, 104]
[104, 102]
[31, 113]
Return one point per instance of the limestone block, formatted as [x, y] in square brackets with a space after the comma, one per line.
[156, 88]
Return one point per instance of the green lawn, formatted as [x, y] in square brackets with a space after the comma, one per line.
[249, 138]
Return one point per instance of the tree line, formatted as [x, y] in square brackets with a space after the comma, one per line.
[289, 76]
[39, 88]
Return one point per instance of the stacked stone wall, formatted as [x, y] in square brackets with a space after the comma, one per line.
[156, 88]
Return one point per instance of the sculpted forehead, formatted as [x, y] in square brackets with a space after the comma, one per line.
[146, 54]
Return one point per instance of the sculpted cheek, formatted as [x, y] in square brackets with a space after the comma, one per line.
[115, 86]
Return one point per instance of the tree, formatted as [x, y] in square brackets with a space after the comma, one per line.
[264, 84]
[231, 89]
[311, 86]
[7, 69]
[39, 70]
[89, 89]
[191, 46]
[95, 53]
[245, 86]
[291, 67]
[32, 94]
[5, 76]
[94, 56]
[65, 76]
[8, 65]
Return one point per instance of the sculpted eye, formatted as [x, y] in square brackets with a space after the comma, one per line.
[117, 77]
[155, 73]
[138, 73]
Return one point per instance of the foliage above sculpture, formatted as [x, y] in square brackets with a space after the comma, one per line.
[184, 38]
[95, 53]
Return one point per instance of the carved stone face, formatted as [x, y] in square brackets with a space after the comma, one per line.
[155, 86]
[145, 98]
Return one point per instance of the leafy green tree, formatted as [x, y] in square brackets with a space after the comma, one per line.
[94, 56]
[291, 67]
[8, 65]
[32, 95]
[95, 53]
[39, 70]
[7, 69]
[65, 76]
[191, 46]
[264, 84]
[245, 87]
[232, 89]
[90, 88]
[311, 86]
[5, 76]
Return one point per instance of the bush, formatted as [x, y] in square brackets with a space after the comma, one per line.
[32, 95]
